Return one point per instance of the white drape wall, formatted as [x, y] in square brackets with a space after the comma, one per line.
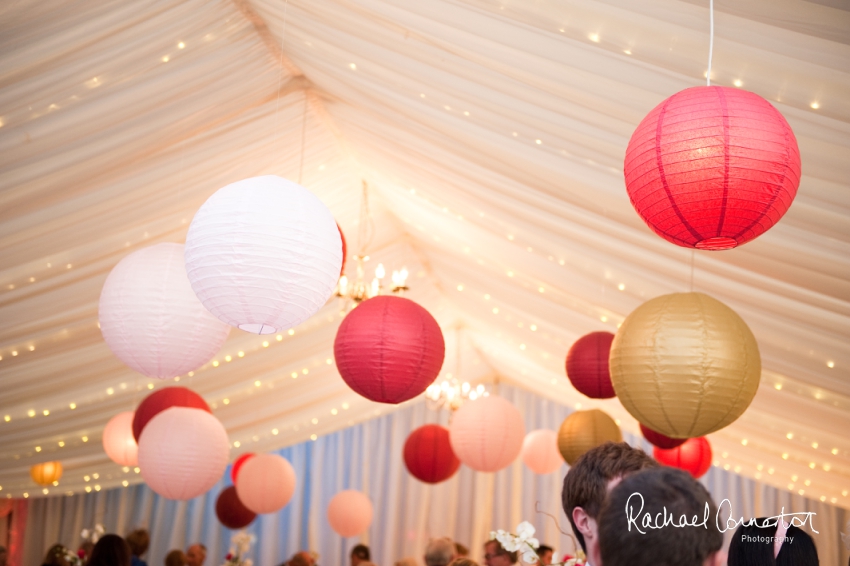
[407, 513]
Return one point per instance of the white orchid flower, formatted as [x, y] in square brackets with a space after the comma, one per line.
[529, 556]
[525, 530]
[85, 533]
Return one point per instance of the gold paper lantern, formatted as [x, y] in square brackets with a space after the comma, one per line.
[584, 430]
[46, 473]
[685, 365]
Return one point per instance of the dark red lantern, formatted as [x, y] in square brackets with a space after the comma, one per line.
[160, 400]
[694, 456]
[712, 167]
[234, 470]
[344, 249]
[659, 440]
[587, 365]
[389, 349]
[230, 511]
[428, 454]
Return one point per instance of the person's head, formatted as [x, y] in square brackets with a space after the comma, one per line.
[56, 556]
[439, 552]
[84, 551]
[496, 555]
[196, 554]
[360, 554]
[588, 482]
[463, 561]
[3, 556]
[659, 516]
[802, 552]
[298, 559]
[461, 550]
[138, 541]
[753, 545]
[110, 550]
[175, 558]
[545, 554]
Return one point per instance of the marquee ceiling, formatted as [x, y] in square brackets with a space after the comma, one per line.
[491, 135]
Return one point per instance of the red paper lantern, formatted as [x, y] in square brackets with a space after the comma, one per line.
[712, 167]
[694, 456]
[587, 365]
[344, 249]
[231, 512]
[659, 440]
[160, 400]
[428, 454]
[234, 470]
[389, 349]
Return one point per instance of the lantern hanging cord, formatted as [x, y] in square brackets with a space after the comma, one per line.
[280, 75]
[303, 138]
[710, 40]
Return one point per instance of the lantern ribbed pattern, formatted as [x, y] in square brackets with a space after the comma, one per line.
[162, 399]
[230, 511]
[183, 452]
[118, 441]
[712, 167]
[694, 456]
[540, 451]
[584, 430]
[263, 254]
[350, 513]
[266, 483]
[389, 349]
[659, 440]
[428, 454]
[151, 319]
[685, 365]
[587, 365]
[487, 434]
[46, 473]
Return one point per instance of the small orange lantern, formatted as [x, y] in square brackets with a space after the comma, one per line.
[46, 473]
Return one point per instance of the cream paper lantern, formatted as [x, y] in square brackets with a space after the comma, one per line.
[540, 451]
[151, 319]
[487, 434]
[263, 254]
[350, 513]
[183, 452]
[118, 441]
[266, 483]
[685, 365]
[584, 430]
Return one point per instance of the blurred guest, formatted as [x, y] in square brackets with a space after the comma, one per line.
[110, 550]
[463, 561]
[545, 554]
[3, 555]
[461, 550]
[660, 516]
[299, 559]
[496, 555]
[587, 484]
[84, 552]
[439, 552]
[175, 558]
[766, 544]
[406, 561]
[360, 554]
[56, 556]
[196, 555]
[139, 540]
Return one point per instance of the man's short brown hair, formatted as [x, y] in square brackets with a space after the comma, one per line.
[586, 482]
[514, 556]
[138, 541]
[625, 540]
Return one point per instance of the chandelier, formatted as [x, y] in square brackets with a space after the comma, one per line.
[361, 289]
[450, 393]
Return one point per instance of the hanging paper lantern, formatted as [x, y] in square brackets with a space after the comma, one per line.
[231, 512]
[183, 452]
[344, 249]
[237, 464]
[265, 483]
[160, 400]
[659, 440]
[263, 254]
[350, 513]
[118, 441]
[587, 365]
[487, 434]
[389, 349]
[694, 456]
[584, 430]
[685, 365]
[712, 167]
[46, 473]
[540, 451]
[428, 454]
[152, 320]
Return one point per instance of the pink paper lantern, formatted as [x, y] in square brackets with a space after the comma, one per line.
[540, 451]
[350, 513]
[266, 483]
[151, 319]
[118, 441]
[183, 452]
[487, 434]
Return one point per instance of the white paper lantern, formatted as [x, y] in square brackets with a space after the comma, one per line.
[118, 441]
[151, 318]
[263, 254]
[183, 452]
[265, 483]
